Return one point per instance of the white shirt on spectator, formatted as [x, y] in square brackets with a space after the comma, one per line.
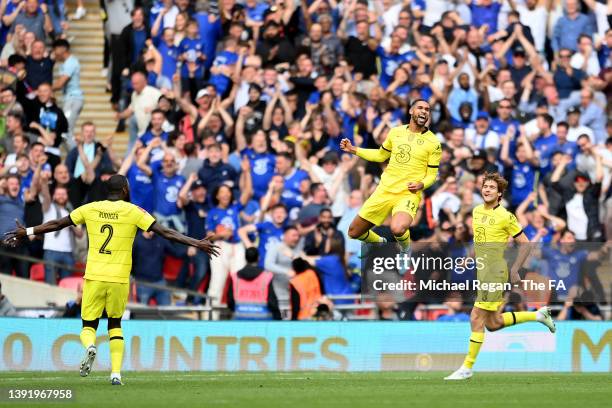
[574, 132]
[577, 220]
[592, 68]
[588, 164]
[391, 19]
[434, 10]
[490, 140]
[341, 198]
[444, 200]
[62, 242]
[533, 19]
[142, 104]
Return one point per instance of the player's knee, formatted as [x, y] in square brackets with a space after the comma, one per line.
[91, 323]
[493, 326]
[398, 230]
[114, 323]
[353, 232]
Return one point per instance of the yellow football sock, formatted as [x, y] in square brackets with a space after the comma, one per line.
[404, 240]
[476, 340]
[371, 237]
[116, 349]
[88, 336]
[512, 318]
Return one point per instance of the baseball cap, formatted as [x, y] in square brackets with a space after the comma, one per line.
[330, 157]
[573, 109]
[197, 184]
[479, 154]
[202, 93]
[483, 115]
[582, 177]
[519, 51]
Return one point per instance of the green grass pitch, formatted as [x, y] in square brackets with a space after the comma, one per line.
[319, 389]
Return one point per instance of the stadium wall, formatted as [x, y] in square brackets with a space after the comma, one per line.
[53, 344]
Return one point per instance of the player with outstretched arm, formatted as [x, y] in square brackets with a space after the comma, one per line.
[414, 155]
[111, 228]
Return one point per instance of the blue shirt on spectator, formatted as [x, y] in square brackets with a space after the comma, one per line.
[195, 215]
[530, 231]
[220, 81]
[210, 33]
[11, 209]
[389, 63]
[521, 183]
[333, 275]
[482, 15]
[166, 190]
[567, 31]
[459, 96]
[566, 84]
[562, 266]
[170, 55]
[158, 152]
[148, 256]
[141, 188]
[262, 170]
[269, 234]
[192, 47]
[214, 175]
[545, 146]
[138, 43]
[569, 148]
[228, 217]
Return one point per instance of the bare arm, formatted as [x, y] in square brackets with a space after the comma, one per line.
[243, 233]
[12, 238]
[204, 244]
[523, 254]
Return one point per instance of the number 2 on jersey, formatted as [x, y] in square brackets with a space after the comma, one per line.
[109, 228]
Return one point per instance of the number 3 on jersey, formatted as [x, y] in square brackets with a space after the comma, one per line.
[403, 155]
[104, 229]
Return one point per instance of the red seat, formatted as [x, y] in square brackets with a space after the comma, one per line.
[37, 272]
[79, 269]
[172, 268]
[71, 282]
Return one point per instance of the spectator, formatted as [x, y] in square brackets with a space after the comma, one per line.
[39, 66]
[332, 270]
[11, 210]
[166, 184]
[59, 245]
[482, 136]
[268, 233]
[567, 79]
[279, 261]
[69, 81]
[215, 172]
[6, 307]
[306, 290]
[34, 17]
[223, 220]
[318, 241]
[588, 158]
[462, 94]
[250, 293]
[569, 27]
[581, 201]
[148, 260]
[592, 116]
[143, 102]
[538, 224]
[193, 198]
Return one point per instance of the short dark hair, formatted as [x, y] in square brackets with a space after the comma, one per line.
[563, 124]
[251, 255]
[116, 183]
[16, 59]
[324, 210]
[61, 43]
[548, 118]
[584, 136]
[314, 187]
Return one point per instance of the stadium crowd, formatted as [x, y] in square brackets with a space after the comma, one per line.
[235, 111]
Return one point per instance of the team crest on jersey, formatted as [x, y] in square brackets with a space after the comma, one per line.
[492, 221]
[420, 141]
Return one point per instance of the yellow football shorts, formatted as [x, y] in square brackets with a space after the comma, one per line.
[98, 295]
[382, 203]
[493, 273]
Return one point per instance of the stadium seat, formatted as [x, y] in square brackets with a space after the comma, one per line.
[71, 282]
[37, 272]
[79, 269]
[172, 268]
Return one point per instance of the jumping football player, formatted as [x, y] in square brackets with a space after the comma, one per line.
[111, 228]
[493, 226]
[414, 154]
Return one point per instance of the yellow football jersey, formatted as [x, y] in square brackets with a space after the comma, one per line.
[111, 228]
[411, 154]
[492, 230]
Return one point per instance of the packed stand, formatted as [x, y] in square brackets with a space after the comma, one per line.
[235, 111]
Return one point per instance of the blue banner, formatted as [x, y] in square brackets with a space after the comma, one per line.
[53, 344]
